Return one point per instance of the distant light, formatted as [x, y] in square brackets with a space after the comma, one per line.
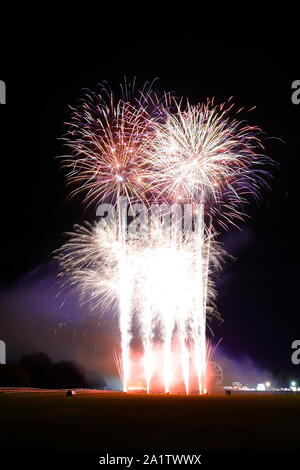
[136, 388]
[293, 383]
[268, 384]
[261, 388]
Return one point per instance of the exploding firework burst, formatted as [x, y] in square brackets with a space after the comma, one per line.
[108, 136]
[151, 149]
[200, 154]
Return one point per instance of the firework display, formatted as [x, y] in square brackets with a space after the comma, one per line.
[174, 173]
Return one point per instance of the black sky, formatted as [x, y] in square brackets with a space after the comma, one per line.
[258, 292]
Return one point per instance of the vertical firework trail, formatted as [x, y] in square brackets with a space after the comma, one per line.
[200, 308]
[124, 296]
[156, 151]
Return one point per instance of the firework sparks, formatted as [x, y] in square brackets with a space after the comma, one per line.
[161, 268]
[108, 136]
[202, 155]
[148, 149]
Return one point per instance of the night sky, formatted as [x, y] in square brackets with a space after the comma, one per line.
[258, 290]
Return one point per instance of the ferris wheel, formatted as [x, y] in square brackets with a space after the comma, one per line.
[215, 375]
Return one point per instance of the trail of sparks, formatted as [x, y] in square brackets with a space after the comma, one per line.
[157, 277]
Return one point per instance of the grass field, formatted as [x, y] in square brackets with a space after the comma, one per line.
[113, 421]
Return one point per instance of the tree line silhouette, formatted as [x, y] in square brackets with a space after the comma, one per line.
[37, 370]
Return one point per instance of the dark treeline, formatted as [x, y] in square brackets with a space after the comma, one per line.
[38, 371]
